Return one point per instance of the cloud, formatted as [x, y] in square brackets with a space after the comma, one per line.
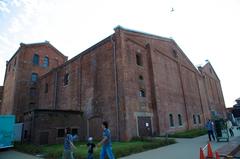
[4, 7]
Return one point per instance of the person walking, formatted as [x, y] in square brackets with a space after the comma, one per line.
[229, 126]
[210, 128]
[106, 142]
[68, 145]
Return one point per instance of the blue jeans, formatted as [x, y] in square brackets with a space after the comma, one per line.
[68, 154]
[106, 149]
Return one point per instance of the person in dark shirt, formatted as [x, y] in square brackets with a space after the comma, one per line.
[90, 146]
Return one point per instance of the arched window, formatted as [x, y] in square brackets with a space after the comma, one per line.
[194, 119]
[46, 61]
[139, 60]
[36, 59]
[199, 119]
[179, 119]
[171, 120]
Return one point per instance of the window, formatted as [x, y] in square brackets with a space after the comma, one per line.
[171, 120]
[34, 77]
[199, 119]
[142, 93]
[36, 59]
[74, 131]
[46, 88]
[174, 53]
[33, 92]
[45, 62]
[66, 79]
[194, 119]
[61, 133]
[179, 119]
[140, 77]
[139, 60]
[25, 134]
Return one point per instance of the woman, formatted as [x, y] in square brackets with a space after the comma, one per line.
[68, 145]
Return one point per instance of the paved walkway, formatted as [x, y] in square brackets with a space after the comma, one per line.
[10, 154]
[185, 149]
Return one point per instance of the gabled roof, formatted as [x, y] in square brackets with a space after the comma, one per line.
[170, 40]
[209, 64]
[22, 45]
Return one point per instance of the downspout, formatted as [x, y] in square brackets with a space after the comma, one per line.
[116, 86]
[200, 99]
[55, 91]
[184, 98]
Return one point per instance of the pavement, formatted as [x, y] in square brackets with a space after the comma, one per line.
[11, 154]
[185, 148]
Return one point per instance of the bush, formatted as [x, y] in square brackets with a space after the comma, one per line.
[189, 133]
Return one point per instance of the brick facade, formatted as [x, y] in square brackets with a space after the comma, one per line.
[1, 96]
[142, 84]
[19, 89]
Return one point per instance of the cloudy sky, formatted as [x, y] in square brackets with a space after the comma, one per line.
[204, 29]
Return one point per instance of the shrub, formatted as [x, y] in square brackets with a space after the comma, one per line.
[189, 133]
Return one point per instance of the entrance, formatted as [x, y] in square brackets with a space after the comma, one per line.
[144, 126]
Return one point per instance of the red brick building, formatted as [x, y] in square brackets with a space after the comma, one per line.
[1, 96]
[142, 84]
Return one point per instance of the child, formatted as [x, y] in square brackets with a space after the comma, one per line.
[90, 146]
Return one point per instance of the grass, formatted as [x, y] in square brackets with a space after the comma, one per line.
[189, 133]
[120, 149]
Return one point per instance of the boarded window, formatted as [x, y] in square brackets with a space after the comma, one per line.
[33, 92]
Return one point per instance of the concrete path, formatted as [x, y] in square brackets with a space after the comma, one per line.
[184, 149]
[10, 154]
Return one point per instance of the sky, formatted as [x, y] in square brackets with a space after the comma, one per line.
[204, 29]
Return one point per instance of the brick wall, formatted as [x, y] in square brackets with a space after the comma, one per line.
[17, 98]
[47, 124]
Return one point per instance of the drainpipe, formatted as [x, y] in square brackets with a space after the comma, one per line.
[116, 85]
[183, 92]
[55, 91]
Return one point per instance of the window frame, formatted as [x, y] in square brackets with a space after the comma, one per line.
[139, 59]
[35, 60]
[46, 62]
[180, 123]
[32, 75]
[171, 121]
[66, 79]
